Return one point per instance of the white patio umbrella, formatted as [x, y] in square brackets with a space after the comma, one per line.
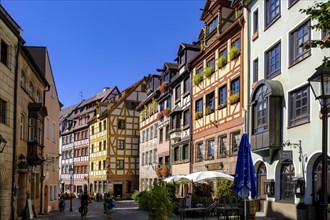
[208, 175]
[176, 178]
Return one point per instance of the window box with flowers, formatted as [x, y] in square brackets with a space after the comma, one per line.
[166, 111]
[222, 61]
[209, 110]
[197, 79]
[208, 71]
[233, 53]
[234, 98]
[163, 87]
[222, 105]
[198, 115]
[160, 115]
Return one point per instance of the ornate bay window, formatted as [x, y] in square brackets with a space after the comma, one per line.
[266, 121]
[37, 113]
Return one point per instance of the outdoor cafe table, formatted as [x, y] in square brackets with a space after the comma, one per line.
[202, 210]
[226, 210]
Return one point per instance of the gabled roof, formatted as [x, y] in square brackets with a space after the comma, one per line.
[183, 46]
[171, 66]
[209, 6]
[124, 94]
[153, 95]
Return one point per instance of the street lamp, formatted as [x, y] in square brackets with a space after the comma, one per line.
[71, 174]
[320, 84]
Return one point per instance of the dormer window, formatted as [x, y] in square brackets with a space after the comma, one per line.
[166, 78]
[182, 59]
[212, 25]
[151, 84]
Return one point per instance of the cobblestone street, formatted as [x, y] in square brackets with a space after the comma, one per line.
[124, 210]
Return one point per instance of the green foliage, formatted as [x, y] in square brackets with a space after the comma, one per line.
[208, 71]
[198, 115]
[234, 98]
[136, 195]
[209, 109]
[197, 79]
[233, 53]
[320, 12]
[222, 61]
[224, 190]
[157, 202]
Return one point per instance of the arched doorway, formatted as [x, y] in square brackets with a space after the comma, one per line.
[46, 193]
[261, 177]
[287, 175]
[317, 179]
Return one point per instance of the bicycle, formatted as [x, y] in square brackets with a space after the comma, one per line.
[109, 203]
[83, 210]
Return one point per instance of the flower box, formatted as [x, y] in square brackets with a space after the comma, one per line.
[234, 98]
[222, 61]
[198, 115]
[209, 110]
[163, 87]
[197, 79]
[233, 53]
[166, 111]
[208, 71]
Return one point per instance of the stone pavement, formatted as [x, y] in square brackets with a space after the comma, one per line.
[124, 210]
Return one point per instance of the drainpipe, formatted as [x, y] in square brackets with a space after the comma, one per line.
[42, 178]
[13, 191]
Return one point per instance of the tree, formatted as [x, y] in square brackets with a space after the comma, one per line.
[320, 12]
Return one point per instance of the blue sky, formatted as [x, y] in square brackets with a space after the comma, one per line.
[97, 44]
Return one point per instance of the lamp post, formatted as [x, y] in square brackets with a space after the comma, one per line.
[320, 84]
[71, 174]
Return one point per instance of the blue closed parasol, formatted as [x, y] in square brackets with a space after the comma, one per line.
[245, 181]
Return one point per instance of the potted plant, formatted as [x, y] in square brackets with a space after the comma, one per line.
[234, 98]
[208, 71]
[160, 115]
[222, 61]
[222, 105]
[157, 202]
[164, 171]
[162, 88]
[209, 110]
[166, 111]
[233, 53]
[197, 79]
[198, 115]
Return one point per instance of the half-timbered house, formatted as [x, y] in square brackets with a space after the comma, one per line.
[148, 108]
[218, 90]
[123, 140]
[180, 130]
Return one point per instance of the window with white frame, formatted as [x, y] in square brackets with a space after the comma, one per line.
[4, 52]
[273, 61]
[3, 111]
[299, 102]
[199, 152]
[21, 127]
[272, 11]
[298, 38]
[54, 133]
[121, 144]
[222, 146]
[235, 139]
[210, 149]
[212, 25]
